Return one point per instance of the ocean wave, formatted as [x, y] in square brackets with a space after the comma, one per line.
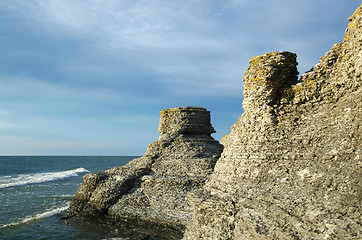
[63, 196]
[46, 214]
[25, 179]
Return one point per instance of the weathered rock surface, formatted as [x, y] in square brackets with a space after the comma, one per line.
[291, 167]
[153, 188]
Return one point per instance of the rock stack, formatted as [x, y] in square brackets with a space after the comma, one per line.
[153, 188]
[291, 167]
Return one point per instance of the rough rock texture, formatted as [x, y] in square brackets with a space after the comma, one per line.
[291, 167]
[153, 188]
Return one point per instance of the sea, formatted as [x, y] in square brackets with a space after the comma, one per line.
[36, 191]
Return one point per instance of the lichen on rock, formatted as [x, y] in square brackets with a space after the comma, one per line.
[153, 188]
[265, 78]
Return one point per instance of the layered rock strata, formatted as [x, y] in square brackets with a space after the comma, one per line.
[153, 188]
[291, 167]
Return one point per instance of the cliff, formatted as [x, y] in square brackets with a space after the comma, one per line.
[153, 188]
[291, 166]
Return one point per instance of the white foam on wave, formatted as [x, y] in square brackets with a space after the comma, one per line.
[46, 214]
[25, 179]
[63, 196]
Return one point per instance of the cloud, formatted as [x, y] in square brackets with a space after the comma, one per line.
[120, 39]
[76, 70]
[4, 125]
[135, 23]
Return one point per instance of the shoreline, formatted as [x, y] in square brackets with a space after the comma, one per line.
[118, 228]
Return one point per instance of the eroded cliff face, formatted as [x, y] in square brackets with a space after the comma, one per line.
[291, 166]
[153, 188]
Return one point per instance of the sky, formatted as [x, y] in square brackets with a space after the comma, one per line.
[90, 77]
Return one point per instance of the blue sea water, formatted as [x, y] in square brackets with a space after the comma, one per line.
[35, 190]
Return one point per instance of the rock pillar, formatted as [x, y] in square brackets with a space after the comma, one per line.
[153, 188]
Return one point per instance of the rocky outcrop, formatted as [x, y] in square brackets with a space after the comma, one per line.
[291, 167]
[153, 188]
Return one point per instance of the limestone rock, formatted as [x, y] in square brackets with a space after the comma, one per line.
[153, 188]
[291, 166]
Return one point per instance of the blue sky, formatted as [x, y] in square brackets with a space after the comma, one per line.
[89, 77]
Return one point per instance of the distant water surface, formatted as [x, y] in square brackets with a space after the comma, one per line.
[35, 189]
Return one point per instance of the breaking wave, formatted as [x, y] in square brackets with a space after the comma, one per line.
[46, 214]
[25, 179]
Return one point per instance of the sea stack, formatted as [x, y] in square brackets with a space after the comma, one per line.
[291, 166]
[153, 188]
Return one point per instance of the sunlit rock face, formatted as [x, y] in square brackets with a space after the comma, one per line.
[153, 188]
[291, 166]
